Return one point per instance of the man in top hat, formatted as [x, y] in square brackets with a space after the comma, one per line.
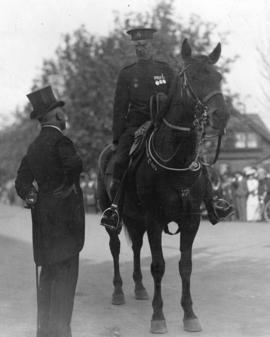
[135, 85]
[48, 181]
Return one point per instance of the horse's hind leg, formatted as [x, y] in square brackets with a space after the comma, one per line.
[118, 296]
[136, 232]
[191, 322]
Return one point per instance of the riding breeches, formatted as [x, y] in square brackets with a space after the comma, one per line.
[209, 194]
[122, 153]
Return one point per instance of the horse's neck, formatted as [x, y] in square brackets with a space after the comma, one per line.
[170, 142]
[172, 146]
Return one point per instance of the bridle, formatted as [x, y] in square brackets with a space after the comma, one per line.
[200, 107]
[200, 121]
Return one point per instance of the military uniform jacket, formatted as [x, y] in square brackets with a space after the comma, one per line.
[136, 84]
[58, 224]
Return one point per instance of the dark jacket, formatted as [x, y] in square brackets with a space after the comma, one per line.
[58, 224]
[135, 85]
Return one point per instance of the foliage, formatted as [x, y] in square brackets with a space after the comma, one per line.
[265, 72]
[85, 68]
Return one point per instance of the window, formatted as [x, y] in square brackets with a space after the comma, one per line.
[252, 141]
[247, 140]
[240, 140]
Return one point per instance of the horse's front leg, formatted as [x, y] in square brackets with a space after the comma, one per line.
[118, 296]
[136, 232]
[191, 322]
[158, 322]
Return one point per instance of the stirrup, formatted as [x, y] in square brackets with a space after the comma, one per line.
[223, 209]
[111, 218]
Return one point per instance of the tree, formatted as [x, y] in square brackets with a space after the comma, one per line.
[265, 71]
[85, 68]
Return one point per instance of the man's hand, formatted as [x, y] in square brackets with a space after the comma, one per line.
[114, 147]
[31, 199]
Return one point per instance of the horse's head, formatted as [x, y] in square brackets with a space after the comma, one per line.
[195, 109]
[201, 84]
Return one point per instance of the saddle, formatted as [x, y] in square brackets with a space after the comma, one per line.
[135, 152]
[140, 137]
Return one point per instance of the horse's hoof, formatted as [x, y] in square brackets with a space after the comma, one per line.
[141, 294]
[158, 326]
[192, 325]
[118, 299]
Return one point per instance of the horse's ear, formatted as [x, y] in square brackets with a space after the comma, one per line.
[214, 56]
[186, 50]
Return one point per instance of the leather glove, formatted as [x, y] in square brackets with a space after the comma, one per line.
[114, 147]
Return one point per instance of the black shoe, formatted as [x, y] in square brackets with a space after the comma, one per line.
[111, 219]
[219, 210]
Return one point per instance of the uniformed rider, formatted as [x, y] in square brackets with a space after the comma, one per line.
[135, 85]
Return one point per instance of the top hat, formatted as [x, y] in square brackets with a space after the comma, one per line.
[43, 101]
[141, 33]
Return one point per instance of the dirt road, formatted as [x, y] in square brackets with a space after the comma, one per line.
[230, 282]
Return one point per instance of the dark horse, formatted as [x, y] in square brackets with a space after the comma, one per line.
[168, 184]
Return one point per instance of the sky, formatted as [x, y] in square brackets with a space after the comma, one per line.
[31, 30]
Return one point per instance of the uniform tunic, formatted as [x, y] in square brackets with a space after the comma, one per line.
[135, 85]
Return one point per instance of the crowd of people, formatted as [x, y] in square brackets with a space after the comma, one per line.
[248, 191]
[88, 183]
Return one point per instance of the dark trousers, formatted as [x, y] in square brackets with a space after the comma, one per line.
[56, 297]
[122, 153]
[241, 207]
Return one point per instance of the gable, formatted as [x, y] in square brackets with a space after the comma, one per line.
[245, 133]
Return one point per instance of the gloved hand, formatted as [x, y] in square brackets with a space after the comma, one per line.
[114, 147]
[31, 199]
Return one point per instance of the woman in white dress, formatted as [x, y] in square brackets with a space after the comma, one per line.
[253, 203]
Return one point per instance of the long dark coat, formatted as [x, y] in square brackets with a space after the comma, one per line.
[58, 224]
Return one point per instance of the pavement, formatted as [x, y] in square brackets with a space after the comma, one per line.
[230, 282]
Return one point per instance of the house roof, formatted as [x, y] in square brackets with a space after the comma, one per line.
[254, 122]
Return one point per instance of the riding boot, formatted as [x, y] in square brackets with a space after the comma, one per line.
[217, 208]
[111, 216]
[114, 187]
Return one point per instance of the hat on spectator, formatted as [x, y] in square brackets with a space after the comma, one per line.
[249, 171]
[43, 101]
[261, 173]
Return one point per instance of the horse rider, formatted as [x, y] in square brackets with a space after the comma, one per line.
[135, 85]
[48, 181]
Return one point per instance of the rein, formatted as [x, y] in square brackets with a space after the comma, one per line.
[199, 123]
[154, 162]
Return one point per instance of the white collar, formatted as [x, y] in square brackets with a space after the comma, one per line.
[52, 126]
